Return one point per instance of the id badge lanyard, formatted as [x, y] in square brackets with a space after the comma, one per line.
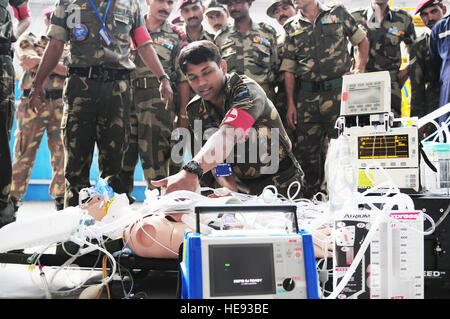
[102, 31]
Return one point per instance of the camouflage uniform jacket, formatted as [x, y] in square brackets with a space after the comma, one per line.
[385, 38]
[204, 35]
[7, 32]
[425, 86]
[28, 46]
[243, 95]
[254, 54]
[281, 40]
[168, 40]
[319, 51]
[87, 48]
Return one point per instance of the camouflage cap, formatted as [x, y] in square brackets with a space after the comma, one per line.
[213, 5]
[425, 4]
[271, 9]
[182, 3]
[227, 1]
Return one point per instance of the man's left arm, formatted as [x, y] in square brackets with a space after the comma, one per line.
[151, 60]
[22, 14]
[357, 38]
[143, 42]
[409, 40]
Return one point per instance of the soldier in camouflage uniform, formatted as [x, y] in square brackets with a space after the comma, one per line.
[192, 13]
[97, 93]
[282, 10]
[385, 33]
[31, 127]
[234, 109]
[7, 97]
[151, 125]
[425, 86]
[315, 58]
[249, 48]
[217, 15]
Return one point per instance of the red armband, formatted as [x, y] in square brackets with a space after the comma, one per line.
[22, 12]
[239, 119]
[141, 36]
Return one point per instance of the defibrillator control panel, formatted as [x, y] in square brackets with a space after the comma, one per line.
[249, 263]
[255, 266]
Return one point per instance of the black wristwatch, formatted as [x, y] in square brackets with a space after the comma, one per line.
[164, 76]
[194, 167]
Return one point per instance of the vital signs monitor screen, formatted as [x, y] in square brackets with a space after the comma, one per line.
[246, 269]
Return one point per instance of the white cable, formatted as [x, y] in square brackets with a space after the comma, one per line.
[140, 225]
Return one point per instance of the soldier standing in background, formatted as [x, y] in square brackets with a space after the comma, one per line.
[31, 127]
[440, 59]
[282, 10]
[7, 97]
[217, 15]
[248, 47]
[192, 13]
[386, 28]
[151, 125]
[97, 95]
[315, 58]
[425, 86]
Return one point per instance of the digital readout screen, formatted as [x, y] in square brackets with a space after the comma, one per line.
[388, 146]
[246, 269]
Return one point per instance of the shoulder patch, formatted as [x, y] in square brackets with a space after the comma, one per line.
[241, 92]
[228, 43]
[299, 31]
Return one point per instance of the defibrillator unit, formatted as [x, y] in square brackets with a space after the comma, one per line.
[248, 263]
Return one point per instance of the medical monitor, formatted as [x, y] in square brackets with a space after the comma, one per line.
[233, 275]
[366, 93]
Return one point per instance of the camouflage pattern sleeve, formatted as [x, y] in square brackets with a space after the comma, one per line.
[416, 75]
[17, 3]
[58, 27]
[274, 58]
[139, 29]
[20, 8]
[247, 103]
[352, 30]
[410, 33]
[288, 59]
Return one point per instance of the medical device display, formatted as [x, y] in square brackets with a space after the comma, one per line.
[366, 93]
[382, 148]
[381, 155]
[248, 264]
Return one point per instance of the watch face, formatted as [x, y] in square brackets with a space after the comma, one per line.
[194, 167]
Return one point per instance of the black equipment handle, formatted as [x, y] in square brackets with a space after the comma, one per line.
[237, 208]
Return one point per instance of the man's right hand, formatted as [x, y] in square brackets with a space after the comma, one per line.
[37, 96]
[291, 116]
